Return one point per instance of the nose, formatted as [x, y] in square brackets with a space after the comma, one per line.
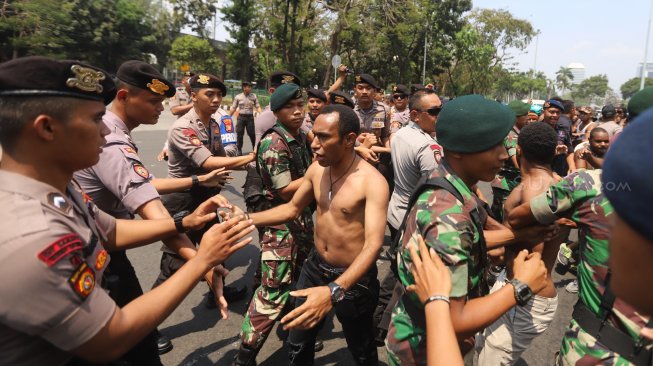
[315, 144]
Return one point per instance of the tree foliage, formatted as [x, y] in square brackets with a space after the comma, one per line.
[631, 86]
[196, 53]
[595, 86]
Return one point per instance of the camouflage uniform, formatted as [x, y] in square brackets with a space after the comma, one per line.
[283, 247]
[446, 226]
[579, 198]
[507, 179]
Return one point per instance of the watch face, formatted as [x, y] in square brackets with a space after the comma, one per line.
[524, 292]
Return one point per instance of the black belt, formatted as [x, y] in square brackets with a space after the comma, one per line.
[610, 337]
[246, 114]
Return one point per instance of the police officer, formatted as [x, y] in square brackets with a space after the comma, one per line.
[180, 104]
[195, 146]
[283, 157]
[245, 103]
[399, 112]
[120, 185]
[54, 239]
[316, 101]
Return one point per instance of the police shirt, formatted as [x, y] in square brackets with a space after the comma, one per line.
[51, 260]
[376, 120]
[398, 119]
[119, 183]
[264, 122]
[181, 98]
[246, 103]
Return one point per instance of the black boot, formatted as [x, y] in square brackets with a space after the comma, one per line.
[163, 344]
[246, 356]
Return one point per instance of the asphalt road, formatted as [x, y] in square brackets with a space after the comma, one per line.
[201, 337]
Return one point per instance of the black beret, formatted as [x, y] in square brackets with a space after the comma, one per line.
[316, 93]
[640, 101]
[608, 111]
[40, 76]
[283, 77]
[552, 103]
[367, 79]
[283, 95]
[246, 83]
[626, 174]
[401, 89]
[188, 74]
[204, 81]
[471, 124]
[143, 75]
[338, 97]
[416, 87]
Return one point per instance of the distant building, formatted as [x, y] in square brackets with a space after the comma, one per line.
[649, 70]
[578, 70]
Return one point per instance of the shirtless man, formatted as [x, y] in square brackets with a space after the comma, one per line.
[340, 272]
[508, 337]
[592, 155]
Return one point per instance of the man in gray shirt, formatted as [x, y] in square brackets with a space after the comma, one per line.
[415, 152]
[245, 103]
[608, 114]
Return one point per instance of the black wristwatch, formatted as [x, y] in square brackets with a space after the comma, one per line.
[179, 218]
[337, 292]
[523, 293]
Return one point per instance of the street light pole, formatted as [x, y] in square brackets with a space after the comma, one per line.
[648, 33]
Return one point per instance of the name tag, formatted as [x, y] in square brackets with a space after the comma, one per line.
[228, 138]
[378, 124]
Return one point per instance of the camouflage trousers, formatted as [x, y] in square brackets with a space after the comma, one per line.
[580, 348]
[278, 274]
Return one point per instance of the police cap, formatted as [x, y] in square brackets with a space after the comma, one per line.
[204, 81]
[283, 77]
[338, 97]
[144, 76]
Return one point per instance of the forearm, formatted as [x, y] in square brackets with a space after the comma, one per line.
[570, 162]
[521, 216]
[381, 149]
[479, 313]
[141, 316]
[180, 110]
[596, 162]
[216, 162]
[499, 238]
[275, 216]
[288, 191]
[363, 262]
[171, 185]
[337, 83]
[135, 233]
[441, 344]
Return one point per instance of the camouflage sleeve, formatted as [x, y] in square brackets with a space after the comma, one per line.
[438, 217]
[274, 161]
[562, 197]
[511, 145]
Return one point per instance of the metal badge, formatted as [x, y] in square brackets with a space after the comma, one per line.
[86, 79]
[203, 79]
[59, 202]
[358, 78]
[156, 86]
[288, 79]
[339, 100]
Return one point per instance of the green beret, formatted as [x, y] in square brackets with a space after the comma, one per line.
[520, 108]
[640, 101]
[144, 76]
[38, 76]
[471, 124]
[283, 95]
[204, 81]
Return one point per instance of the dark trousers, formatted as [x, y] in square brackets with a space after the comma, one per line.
[245, 121]
[383, 311]
[124, 287]
[354, 313]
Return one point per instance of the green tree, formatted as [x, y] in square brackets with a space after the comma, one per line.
[595, 86]
[240, 14]
[564, 77]
[197, 53]
[631, 86]
[196, 14]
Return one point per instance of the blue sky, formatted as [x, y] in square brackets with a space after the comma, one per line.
[607, 37]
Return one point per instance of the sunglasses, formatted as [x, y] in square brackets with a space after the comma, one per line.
[433, 111]
[399, 96]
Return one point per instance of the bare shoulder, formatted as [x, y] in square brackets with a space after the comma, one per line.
[314, 172]
[373, 181]
[514, 198]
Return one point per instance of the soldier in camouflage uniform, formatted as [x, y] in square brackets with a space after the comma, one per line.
[453, 228]
[282, 158]
[579, 198]
[509, 177]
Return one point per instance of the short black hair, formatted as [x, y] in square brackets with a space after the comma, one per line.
[568, 104]
[538, 143]
[415, 101]
[557, 98]
[347, 119]
[17, 111]
[596, 130]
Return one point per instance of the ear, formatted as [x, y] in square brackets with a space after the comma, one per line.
[413, 115]
[45, 127]
[193, 96]
[350, 139]
[121, 95]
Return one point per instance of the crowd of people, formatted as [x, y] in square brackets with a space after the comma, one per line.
[329, 174]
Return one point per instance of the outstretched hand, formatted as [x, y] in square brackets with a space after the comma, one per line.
[216, 283]
[222, 240]
[215, 178]
[205, 212]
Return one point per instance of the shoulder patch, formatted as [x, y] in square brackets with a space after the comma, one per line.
[141, 170]
[58, 201]
[129, 150]
[82, 281]
[63, 246]
[101, 259]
